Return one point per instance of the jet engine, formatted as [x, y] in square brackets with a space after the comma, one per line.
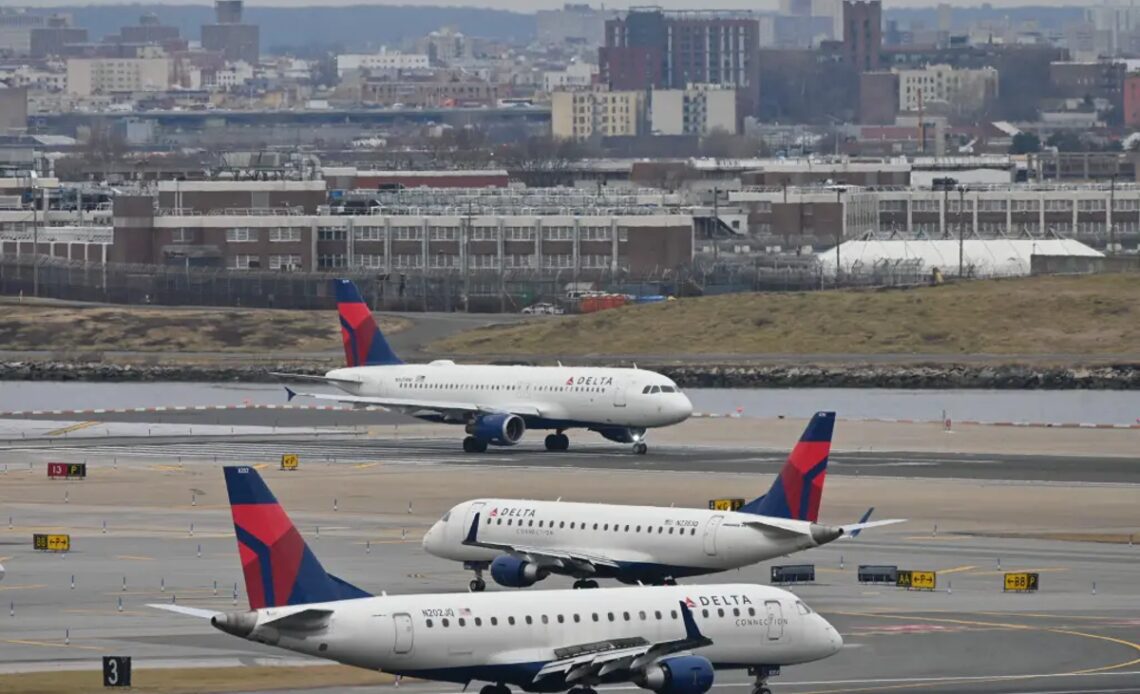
[515, 573]
[622, 434]
[686, 674]
[500, 429]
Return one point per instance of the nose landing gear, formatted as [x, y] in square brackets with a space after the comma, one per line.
[477, 584]
[761, 673]
[640, 448]
[583, 583]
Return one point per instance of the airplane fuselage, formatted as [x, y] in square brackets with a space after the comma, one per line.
[560, 397]
[647, 543]
[503, 637]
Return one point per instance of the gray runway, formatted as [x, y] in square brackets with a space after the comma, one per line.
[967, 637]
[588, 451]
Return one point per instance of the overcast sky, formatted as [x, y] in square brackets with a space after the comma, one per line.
[532, 5]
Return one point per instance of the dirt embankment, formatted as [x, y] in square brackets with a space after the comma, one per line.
[82, 329]
[1085, 315]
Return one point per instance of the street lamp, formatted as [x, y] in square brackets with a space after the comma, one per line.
[961, 230]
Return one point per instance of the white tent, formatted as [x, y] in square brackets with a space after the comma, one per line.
[982, 257]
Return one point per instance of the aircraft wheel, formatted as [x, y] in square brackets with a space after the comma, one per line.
[477, 585]
[552, 442]
[590, 583]
[489, 689]
[563, 442]
[640, 448]
[761, 690]
[474, 445]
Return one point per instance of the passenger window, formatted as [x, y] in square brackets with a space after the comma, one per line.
[595, 616]
[595, 526]
[561, 619]
[704, 613]
[462, 622]
[736, 612]
[490, 521]
[478, 621]
[499, 522]
[751, 611]
[545, 619]
[511, 621]
[571, 525]
[670, 530]
[494, 621]
[577, 618]
[627, 528]
[561, 524]
[510, 521]
[642, 615]
[530, 523]
[659, 530]
[529, 620]
[625, 616]
[610, 615]
[720, 612]
[673, 614]
[692, 531]
[638, 529]
[429, 624]
[444, 622]
[657, 614]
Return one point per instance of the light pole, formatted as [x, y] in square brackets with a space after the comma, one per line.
[35, 237]
[838, 231]
[961, 230]
[1110, 215]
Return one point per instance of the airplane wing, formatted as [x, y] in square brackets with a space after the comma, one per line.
[543, 556]
[592, 661]
[411, 404]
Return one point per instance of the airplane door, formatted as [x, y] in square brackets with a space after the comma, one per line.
[710, 535]
[775, 620]
[619, 394]
[404, 634]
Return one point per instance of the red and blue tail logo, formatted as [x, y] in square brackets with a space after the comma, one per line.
[364, 344]
[279, 567]
[798, 491]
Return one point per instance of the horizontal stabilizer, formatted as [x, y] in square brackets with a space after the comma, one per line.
[188, 611]
[315, 379]
[853, 530]
[311, 619]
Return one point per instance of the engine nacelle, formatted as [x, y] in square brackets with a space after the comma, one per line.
[515, 573]
[499, 429]
[622, 434]
[686, 674]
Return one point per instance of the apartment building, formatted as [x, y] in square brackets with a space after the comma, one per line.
[696, 110]
[89, 76]
[942, 86]
[580, 115]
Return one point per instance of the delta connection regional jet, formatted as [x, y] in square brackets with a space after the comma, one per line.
[523, 542]
[496, 404]
[666, 639]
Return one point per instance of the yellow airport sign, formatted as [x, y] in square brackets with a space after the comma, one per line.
[290, 461]
[51, 542]
[1021, 582]
[725, 504]
[916, 580]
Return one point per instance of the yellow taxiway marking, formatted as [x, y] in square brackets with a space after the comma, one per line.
[1055, 569]
[995, 678]
[69, 429]
[49, 644]
[133, 557]
[25, 586]
[260, 466]
[956, 569]
[361, 466]
[5, 558]
[1049, 616]
[935, 537]
[166, 468]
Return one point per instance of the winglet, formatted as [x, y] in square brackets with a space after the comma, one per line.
[866, 517]
[692, 633]
[473, 532]
[290, 394]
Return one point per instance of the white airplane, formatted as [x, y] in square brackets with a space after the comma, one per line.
[666, 639]
[496, 404]
[523, 542]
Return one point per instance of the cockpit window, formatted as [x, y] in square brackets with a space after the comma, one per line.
[667, 389]
[803, 609]
[655, 389]
[446, 517]
[645, 390]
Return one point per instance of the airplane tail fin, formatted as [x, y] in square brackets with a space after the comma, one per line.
[364, 344]
[798, 491]
[279, 567]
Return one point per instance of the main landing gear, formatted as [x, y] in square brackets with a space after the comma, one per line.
[582, 690]
[474, 445]
[495, 689]
[582, 583]
[557, 442]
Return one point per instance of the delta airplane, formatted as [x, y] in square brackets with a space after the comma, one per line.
[496, 404]
[669, 640]
[523, 542]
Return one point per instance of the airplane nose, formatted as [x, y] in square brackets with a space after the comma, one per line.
[431, 537]
[833, 640]
[684, 408]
